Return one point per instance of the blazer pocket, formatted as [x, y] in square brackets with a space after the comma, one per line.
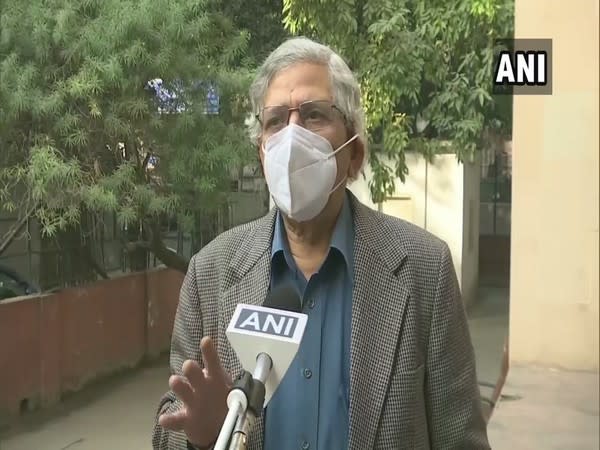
[403, 420]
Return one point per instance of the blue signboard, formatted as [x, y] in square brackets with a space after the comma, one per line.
[170, 99]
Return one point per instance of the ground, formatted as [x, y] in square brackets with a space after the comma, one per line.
[547, 409]
[542, 409]
[117, 413]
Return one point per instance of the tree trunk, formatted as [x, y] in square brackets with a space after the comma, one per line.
[155, 244]
[168, 257]
[95, 265]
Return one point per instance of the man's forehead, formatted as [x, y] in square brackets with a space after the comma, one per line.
[299, 83]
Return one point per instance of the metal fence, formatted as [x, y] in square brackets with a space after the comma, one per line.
[99, 247]
[496, 198]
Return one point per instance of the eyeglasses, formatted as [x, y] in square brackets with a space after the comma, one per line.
[315, 116]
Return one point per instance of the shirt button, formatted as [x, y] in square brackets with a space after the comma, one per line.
[307, 374]
[305, 445]
[311, 303]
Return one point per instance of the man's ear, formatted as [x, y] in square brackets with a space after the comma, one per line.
[259, 148]
[357, 158]
[261, 156]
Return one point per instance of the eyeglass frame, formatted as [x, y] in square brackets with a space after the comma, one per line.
[297, 108]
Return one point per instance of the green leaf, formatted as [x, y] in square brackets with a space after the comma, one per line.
[126, 216]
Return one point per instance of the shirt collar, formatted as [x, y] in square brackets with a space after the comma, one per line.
[342, 238]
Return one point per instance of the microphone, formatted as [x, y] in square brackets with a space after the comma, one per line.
[266, 337]
[285, 298]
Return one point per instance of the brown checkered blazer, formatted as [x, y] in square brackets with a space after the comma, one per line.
[412, 381]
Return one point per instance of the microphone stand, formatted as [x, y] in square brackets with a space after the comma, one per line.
[239, 438]
[245, 401]
[256, 400]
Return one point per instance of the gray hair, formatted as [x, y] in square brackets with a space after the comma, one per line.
[346, 91]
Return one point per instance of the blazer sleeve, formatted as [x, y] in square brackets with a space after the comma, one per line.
[453, 401]
[185, 344]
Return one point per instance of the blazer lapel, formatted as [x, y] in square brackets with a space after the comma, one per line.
[378, 309]
[247, 277]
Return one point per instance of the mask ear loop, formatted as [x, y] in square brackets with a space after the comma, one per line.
[339, 184]
[342, 146]
[333, 154]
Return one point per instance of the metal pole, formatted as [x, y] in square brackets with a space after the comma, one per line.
[239, 438]
[228, 426]
[495, 188]
[264, 364]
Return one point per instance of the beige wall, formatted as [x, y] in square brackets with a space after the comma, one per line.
[554, 254]
[442, 198]
[414, 189]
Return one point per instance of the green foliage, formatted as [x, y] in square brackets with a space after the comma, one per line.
[425, 69]
[264, 21]
[77, 125]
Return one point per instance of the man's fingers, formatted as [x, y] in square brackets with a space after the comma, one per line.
[173, 421]
[182, 389]
[194, 373]
[210, 357]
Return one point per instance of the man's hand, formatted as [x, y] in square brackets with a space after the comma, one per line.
[203, 393]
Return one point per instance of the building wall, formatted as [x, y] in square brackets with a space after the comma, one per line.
[57, 343]
[554, 254]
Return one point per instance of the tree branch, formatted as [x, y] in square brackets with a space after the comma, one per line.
[15, 229]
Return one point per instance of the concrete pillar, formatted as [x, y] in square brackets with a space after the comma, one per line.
[554, 255]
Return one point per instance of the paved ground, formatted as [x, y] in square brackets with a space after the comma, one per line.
[552, 410]
[488, 324]
[555, 410]
[540, 408]
[116, 414]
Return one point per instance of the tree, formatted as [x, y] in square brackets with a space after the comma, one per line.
[425, 69]
[263, 20]
[80, 128]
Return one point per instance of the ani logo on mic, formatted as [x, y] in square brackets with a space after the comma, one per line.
[275, 324]
[275, 332]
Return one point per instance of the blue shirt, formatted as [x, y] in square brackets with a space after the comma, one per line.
[309, 410]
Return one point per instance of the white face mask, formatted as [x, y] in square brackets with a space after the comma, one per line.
[300, 168]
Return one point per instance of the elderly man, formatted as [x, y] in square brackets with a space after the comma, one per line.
[386, 361]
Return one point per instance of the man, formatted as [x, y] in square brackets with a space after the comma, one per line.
[386, 361]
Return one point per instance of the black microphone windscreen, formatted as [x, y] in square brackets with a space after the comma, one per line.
[283, 297]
